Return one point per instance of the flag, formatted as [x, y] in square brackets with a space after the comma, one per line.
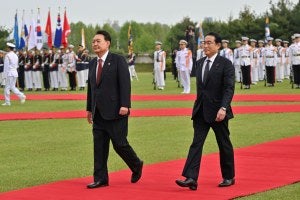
[82, 38]
[32, 34]
[267, 28]
[58, 32]
[66, 31]
[130, 40]
[39, 37]
[22, 37]
[201, 34]
[48, 30]
[16, 32]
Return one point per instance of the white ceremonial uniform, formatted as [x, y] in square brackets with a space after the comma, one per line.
[261, 66]
[254, 65]
[54, 73]
[184, 64]
[286, 62]
[10, 73]
[28, 73]
[245, 57]
[200, 54]
[159, 68]
[295, 61]
[227, 53]
[237, 66]
[36, 74]
[71, 62]
[279, 65]
[62, 72]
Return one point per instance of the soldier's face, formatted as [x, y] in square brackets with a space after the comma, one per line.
[99, 44]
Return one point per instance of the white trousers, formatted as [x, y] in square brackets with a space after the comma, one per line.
[279, 71]
[159, 77]
[287, 70]
[11, 86]
[28, 79]
[132, 72]
[36, 77]
[237, 69]
[86, 75]
[62, 78]
[81, 78]
[254, 73]
[186, 81]
[2, 80]
[261, 72]
[54, 79]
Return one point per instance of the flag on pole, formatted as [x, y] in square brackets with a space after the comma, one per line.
[66, 31]
[32, 34]
[267, 28]
[48, 30]
[39, 37]
[22, 38]
[130, 40]
[58, 32]
[16, 32]
[82, 38]
[201, 34]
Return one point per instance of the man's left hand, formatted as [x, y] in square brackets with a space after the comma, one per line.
[221, 115]
[123, 111]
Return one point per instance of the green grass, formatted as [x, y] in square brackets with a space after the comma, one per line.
[41, 151]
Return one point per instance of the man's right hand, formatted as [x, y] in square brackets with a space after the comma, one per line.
[89, 117]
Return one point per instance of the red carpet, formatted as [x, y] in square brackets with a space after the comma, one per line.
[258, 168]
[148, 112]
[183, 97]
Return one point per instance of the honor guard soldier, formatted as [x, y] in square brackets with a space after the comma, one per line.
[45, 68]
[62, 69]
[184, 64]
[28, 70]
[295, 59]
[71, 68]
[279, 71]
[245, 62]
[261, 66]
[236, 61]
[80, 68]
[131, 65]
[270, 61]
[10, 73]
[254, 61]
[200, 51]
[36, 70]
[226, 52]
[286, 60]
[86, 58]
[2, 84]
[159, 65]
[21, 70]
[53, 68]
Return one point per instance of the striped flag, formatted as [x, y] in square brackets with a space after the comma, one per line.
[39, 37]
[22, 38]
[48, 30]
[16, 32]
[32, 34]
[66, 31]
[58, 33]
[130, 39]
[267, 28]
[201, 34]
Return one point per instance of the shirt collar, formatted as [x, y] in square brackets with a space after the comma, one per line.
[212, 59]
[103, 58]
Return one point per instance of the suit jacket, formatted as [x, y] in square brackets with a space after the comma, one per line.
[114, 89]
[217, 91]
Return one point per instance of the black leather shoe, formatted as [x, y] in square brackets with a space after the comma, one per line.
[189, 182]
[97, 184]
[135, 177]
[227, 182]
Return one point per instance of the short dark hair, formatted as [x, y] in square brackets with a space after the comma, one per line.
[105, 34]
[218, 38]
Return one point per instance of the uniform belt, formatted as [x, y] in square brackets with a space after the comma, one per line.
[269, 56]
[296, 55]
[245, 56]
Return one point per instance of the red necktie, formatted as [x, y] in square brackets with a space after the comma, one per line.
[99, 71]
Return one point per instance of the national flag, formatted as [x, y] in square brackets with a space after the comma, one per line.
[16, 32]
[66, 31]
[267, 28]
[130, 40]
[22, 37]
[201, 34]
[58, 33]
[48, 30]
[32, 34]
[39, 37]
[82, 38]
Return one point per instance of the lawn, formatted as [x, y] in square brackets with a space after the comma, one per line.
[41, 151]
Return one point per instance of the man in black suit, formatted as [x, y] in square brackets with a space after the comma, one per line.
[108, 103]
[215, 89]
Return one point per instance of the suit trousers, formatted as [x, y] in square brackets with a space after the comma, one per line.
[201, 129]
[116, 131]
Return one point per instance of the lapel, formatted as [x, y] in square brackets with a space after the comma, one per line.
[105, 66]
[200, 66]
[213, 68]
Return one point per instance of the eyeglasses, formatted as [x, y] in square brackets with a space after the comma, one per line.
[208, 43]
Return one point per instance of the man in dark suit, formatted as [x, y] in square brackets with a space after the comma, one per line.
[108, 103]
[215, 89]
